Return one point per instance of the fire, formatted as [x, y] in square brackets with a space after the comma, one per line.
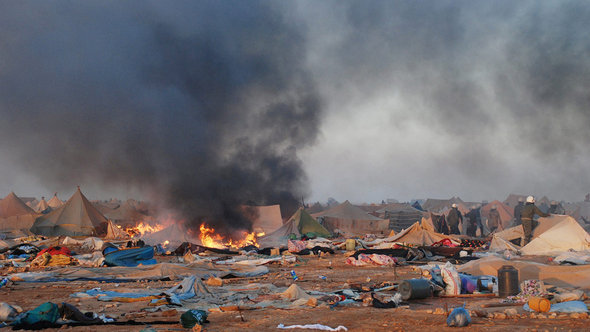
[210, 239]
[142, 229]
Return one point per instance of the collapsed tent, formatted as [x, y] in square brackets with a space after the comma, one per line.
[352, 220]
[114, 232]
[265, 219]
[416, 235]
[78, 217]
[130, 257]
[299, 224]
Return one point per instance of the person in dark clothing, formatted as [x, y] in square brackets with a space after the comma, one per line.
[494, 221]
[518, 211]
[556, 208]
[528, 213]
[454, 218]
[473, 221]
[441, 224]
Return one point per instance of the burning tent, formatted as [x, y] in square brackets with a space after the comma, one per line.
[266, 219]
[114, 232]
[77, 217]
[173, 236]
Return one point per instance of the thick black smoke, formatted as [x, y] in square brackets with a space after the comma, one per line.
[201, 105]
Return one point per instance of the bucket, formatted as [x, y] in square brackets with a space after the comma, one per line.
[539, 304]
[412, 289]
[507, 281]
[350, 244]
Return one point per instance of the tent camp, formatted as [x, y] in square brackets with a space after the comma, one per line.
[125, 213]
[512, 200]
[300, 223]
[55, 202]
[400, 215]
[352, 220]
[506, 213]
[265, 219]
[77, 217]
[11, 206]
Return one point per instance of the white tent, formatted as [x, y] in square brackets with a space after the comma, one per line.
[564, 236]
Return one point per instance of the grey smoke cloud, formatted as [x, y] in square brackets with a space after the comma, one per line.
[421, 99]
[202, 106]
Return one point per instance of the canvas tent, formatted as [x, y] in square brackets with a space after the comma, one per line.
[512, 200]
[352, 220]
[444, 205]
[400, 215]
[11, 206]
[416, 234]
[123, 213]
[55, 202]
[42, 206]
[300, 223]
[265, 219]
[563, 236]
[15, 216]
[114, 232]
[77, 217]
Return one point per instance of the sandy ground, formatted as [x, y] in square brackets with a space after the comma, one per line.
[417, 316]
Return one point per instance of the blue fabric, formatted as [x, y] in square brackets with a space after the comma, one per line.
[45, 313]
[468, 284]
[109, 250]
[569, 306]
[130, 257]
[459, 317]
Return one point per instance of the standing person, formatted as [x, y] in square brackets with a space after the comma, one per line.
[528, 213]
[473, 221]
[556, 208]
[453, 219]
[494, 221]
[441, 224]
[518, 212]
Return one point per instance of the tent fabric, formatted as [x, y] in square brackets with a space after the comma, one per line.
[55, 202]
[11, 206]
[300, 223]
[442, 206]
[557, 275]
[351, 219]
[42, 206]
[499, 244]
[17, 224]
[78, 217]
[400, 215]
[124, 213]
[265, 219]
[130, 257]
[543, 225]
[512, 200]
[506, 213]
[564, 236]
[418, 235]
[114, 232]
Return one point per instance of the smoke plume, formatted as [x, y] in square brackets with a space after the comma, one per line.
[203, 106]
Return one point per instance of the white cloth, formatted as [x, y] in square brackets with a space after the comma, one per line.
[312, 326]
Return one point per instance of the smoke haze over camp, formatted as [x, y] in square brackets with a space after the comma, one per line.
[268, 101]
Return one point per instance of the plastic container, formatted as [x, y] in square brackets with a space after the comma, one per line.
[539, 304]
[413, 289]
[507, 281]
[350, 244]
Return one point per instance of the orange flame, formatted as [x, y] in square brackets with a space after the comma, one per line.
[141, 229]
[210, 239]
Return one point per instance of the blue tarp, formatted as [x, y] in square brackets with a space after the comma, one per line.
[130, 257]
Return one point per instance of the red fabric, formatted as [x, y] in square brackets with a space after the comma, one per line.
[444, 243]
[56, 251]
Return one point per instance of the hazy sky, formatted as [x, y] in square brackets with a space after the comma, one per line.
[372, 99]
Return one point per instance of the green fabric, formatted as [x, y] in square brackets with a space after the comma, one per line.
[192, 318]
[46, 312]
[307, 224]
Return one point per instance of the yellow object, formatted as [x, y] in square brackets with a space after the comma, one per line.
[275, 252]
[539, 304]
[350, 244]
